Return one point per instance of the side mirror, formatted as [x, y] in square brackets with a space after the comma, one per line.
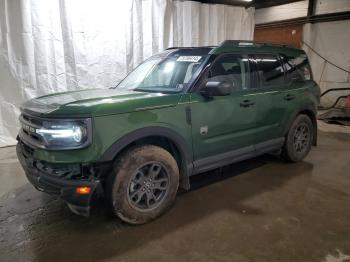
[217, 89]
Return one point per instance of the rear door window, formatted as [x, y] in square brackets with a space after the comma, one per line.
[269, 70]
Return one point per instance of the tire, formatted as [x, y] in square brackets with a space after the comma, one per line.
[143, 184]
[299, 139]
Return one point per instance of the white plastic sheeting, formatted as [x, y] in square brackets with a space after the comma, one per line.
[49, 46]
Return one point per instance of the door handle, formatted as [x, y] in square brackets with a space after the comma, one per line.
[246, 103]
[289, 97]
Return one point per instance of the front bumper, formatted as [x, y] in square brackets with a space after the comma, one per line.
[62, 187]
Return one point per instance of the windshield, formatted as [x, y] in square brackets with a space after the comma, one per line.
[163, 74]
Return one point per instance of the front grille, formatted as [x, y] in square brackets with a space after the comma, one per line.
[28, 151]
[28, 126]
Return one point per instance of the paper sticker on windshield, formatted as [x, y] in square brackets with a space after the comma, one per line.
[192, 59]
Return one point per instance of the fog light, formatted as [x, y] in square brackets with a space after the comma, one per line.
[84, 190]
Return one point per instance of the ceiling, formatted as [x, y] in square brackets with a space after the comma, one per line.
[247, 3]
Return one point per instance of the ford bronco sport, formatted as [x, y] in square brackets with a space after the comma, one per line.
[181, 112]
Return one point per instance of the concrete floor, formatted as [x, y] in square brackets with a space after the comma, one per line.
[258, 210]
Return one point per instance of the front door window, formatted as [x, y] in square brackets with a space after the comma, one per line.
[233, 69]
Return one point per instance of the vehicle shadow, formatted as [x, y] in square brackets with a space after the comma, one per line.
[53, 232]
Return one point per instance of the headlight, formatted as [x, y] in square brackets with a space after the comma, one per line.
[64, 134]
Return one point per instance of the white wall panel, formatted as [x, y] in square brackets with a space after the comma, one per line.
[331, 6]
[299, 9]
[281, 12]
[331, 40]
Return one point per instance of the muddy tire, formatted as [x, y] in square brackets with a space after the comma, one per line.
[143, 184]
[299, 139]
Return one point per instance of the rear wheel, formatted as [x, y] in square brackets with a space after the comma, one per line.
[144, 184]
[299, 139]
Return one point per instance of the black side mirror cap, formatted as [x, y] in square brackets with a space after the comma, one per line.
[217, 89]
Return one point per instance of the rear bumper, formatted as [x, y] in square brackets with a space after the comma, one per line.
[62, 187]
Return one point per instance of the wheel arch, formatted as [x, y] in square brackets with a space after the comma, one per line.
[164, 137]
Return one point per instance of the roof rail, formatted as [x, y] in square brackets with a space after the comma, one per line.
[241, 43]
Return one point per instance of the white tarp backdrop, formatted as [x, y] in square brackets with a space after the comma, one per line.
[49, 46]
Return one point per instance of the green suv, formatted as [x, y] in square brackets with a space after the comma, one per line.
[179, 113]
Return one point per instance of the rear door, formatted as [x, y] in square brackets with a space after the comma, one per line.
[294, 90]
[269, 74]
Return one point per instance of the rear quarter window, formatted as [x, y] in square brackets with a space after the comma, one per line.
[297, 68]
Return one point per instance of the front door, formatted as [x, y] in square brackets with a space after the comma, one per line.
[223, 125]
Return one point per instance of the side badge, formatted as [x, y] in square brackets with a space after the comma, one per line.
[203, 130]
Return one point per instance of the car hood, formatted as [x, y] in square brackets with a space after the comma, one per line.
[94, 102]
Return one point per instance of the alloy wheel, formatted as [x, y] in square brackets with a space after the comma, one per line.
[301, 138]
[148, 186]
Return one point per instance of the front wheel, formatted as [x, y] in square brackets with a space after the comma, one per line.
[144, 184]
[299, 139]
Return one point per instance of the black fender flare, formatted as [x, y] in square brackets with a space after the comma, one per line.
[177, 139]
